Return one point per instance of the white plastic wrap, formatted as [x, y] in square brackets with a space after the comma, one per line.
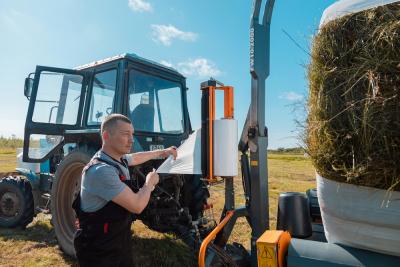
[359, 216]
[189, 157]
[225, 147]
[345, 7]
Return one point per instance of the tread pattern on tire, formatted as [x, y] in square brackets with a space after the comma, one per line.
[22, 186]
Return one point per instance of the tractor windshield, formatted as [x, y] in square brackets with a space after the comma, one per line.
[102, 97]
[155, 104]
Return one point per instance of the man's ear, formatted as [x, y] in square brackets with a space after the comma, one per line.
[105, 135]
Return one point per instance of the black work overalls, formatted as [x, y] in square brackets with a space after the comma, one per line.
[104, 237]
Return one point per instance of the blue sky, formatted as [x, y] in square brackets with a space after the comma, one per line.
[199, 38]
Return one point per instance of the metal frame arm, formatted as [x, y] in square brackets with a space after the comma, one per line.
[268, 8]
[254, 135]
[259, 69]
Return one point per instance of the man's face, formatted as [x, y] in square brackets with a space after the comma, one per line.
[120, 139]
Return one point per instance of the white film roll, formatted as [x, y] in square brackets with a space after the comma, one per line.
[225, 147]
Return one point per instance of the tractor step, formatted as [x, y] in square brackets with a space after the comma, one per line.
[46, 196]
[45, 209]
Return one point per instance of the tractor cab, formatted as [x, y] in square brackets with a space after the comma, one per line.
[67, 106]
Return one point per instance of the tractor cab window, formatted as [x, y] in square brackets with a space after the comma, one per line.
[57, 99]
[102, 97]
[57, 102]
[155, 104]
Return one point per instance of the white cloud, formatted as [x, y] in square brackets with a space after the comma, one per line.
[291, 96]
[19, 24]
[166, 33]
[200, 67]
[140, 6]
[166, 63]
[10, 20]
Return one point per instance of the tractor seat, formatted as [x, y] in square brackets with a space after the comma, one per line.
[143, 118]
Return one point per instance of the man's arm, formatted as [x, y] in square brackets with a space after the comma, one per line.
[136, 202]
[141, 157]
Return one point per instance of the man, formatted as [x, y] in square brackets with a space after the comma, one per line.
[106, 201]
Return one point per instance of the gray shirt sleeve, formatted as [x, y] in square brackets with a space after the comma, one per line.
[103, 181]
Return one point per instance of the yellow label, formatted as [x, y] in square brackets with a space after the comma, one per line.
[267, 256]
[254, 163]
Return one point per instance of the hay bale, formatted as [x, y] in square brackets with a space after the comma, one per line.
[353, 125]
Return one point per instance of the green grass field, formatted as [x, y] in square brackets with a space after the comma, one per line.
[37, 246]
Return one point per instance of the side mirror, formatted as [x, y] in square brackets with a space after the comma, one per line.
[28, 87]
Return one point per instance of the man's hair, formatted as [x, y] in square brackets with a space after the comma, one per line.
[111, 120]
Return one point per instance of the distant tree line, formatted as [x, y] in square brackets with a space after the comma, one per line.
[11, 142]
[292, 150]
[14, 142]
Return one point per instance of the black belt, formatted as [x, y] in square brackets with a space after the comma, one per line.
[105, 227]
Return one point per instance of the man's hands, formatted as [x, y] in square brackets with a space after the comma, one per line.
[136, 202]
[141, 157]
[169, 151]
[152, 179]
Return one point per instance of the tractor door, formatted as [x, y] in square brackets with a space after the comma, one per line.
[56, 98]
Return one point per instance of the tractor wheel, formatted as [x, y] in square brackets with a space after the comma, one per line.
[65, 187]
[16, 202]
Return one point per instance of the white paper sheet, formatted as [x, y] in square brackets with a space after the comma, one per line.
[189, 157]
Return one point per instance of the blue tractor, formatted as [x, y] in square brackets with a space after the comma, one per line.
[66, 108]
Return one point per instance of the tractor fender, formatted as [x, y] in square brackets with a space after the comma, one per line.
[33, 179]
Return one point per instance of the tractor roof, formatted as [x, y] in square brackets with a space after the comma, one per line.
[132, 57]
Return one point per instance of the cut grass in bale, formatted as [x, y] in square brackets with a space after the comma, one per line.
[353, 125]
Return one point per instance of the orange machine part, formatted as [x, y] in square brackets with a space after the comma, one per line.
[279, 239]
[228, 102]
[283, 245]
[211, 130]
[228, 114]
[211, 236]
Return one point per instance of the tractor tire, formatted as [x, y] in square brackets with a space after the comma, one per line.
[16, 202]
[66, 186]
